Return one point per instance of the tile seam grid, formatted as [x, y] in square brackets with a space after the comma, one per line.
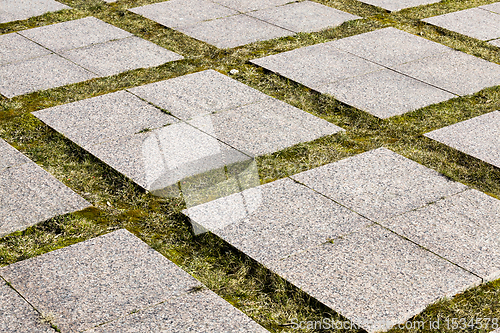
[253, 10]
[22, 297]
[396, 71]
[379, 224]
[481, 7]
[188, 292]
[35, 57]
[59, 55]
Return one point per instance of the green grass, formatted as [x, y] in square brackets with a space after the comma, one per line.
[118, 203]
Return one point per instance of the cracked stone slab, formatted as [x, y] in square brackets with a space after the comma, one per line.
[42, 73]
[160, 158]
[74, 34]
[17, 315]
[14, 10]
[177, 13]
[463, 228]
[250, 5]
[201, 311]
[478, 137]
[454, 71]
[261, 223]
[266, 127]
[103, 118]
[120, 55]
[493, 7]
[395, 5]
[474, 22]
[374, 277]
[379, 184]
[17, 48]
[306, 16]
[317, 65]
[385, 93]
[234, 31]
[98, 280]
[198, 94]
[389, 46]
[29, 195]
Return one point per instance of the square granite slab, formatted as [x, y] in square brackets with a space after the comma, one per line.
[17, 48]
[474, 22]
[120, 56]
[250, 5]
[379, 184]
[17, 315]
[74, 34]
[454, 71]
[395, 5]
[199, 311]
[279, 219]
[14, 10]
[198, 94]
[234, 31]
[317, 65]
[463, 228]
[178, 13]
[266, 127]
[478, 137]
[103, 118]
[389, 46]
[98, 280]
[28, 194]
[42, 73]
[374, 278]
[306, 16]
[385, 93]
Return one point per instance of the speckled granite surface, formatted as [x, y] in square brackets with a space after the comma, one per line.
[28, 194]
[105, 279]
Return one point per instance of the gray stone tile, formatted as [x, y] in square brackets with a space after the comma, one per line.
[234, 31]
[379, 184]
[317, 65]
[265, 127]
[161, 158]
[42, 73]
[493, 7]
[17, 48]
[107, 117]
[495, 42]
[13, 10]
[374, 277]
[198, 94]
[275, 220]
[463, 229]
[98, 280]
[10, 157]
[73, 34]
[385, 93]
[120, 55]
[29, 195]
[177, 13]
[394, 5]
[478, 137]
[17, 315]
[474, 22]
[455, 71]
[389, 46]
[304, 16]
[201, 311]
[249, 5]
